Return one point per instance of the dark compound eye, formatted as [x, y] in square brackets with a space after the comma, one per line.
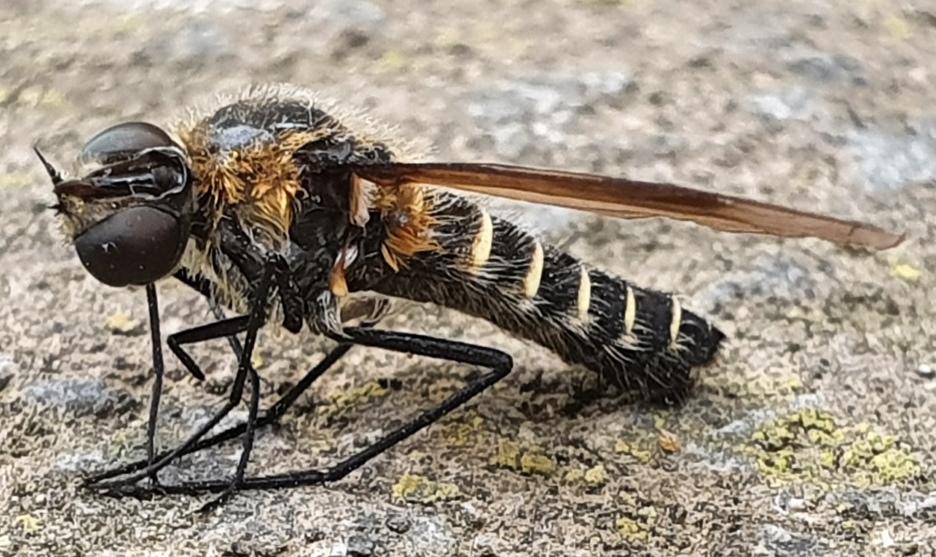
[123, 141]
[134, 246]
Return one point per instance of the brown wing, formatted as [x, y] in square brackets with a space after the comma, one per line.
[631, 199]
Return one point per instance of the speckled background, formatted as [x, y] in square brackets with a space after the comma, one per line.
[813, 436]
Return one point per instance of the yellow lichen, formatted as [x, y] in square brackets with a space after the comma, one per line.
[465, 431]
[537, 464]
[28, 523]
[122, 324]
[660, 419]
[510, 456]
[257, 361]
[904, 271]
[35, 96]
[53, 98]
[795, 384]
[393, 60]
[14, 179]
[419, 489]
[782, 384]
[365, 393]
[809, 445]
[631, 529]
[596, 475]
[643, 455]
[898, 27]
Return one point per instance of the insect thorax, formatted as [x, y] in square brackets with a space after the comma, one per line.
[273, 168]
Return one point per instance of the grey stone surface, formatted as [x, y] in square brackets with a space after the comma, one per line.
[822, 341]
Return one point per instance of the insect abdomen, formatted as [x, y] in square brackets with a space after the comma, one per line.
[639, 339]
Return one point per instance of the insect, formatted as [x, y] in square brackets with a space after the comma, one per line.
[288, 212]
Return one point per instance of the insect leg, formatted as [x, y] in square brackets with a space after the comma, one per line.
[203, 287]
[273, 266]
[271, 416]
[152, 301]
[251, 324]
[498, 362]
[159, 368]
[228, 327]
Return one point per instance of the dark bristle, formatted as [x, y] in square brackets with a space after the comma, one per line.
[53, 173]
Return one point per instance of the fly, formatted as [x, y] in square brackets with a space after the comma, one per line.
[287, 212]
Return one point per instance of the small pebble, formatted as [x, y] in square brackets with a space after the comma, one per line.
[926, 371]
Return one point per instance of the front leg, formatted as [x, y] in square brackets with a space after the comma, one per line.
[250, 324]
[262, 272]
[367, 311]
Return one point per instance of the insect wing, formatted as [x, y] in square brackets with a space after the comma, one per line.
[632, 199]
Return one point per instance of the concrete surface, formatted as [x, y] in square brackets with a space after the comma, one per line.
[813, 436]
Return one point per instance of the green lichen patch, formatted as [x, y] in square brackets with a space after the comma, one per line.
[810, 446]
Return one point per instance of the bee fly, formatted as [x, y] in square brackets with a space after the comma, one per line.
[284, 210]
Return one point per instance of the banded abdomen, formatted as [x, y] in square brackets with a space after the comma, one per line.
[639, 339]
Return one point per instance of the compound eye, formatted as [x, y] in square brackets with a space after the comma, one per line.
[137, 245]
[123, 141]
